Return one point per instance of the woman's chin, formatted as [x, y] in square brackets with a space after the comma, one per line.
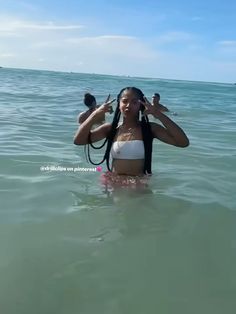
[126, 113]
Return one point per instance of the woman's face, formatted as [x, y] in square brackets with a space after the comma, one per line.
[129, 103]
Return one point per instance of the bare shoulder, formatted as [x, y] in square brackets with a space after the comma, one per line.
[82, 117]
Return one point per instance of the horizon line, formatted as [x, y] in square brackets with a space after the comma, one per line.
[118, 75]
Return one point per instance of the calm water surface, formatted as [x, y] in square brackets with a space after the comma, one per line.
[67, 247]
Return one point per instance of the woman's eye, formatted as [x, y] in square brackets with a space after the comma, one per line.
[132, 102]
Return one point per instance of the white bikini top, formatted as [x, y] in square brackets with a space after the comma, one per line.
[128, 149]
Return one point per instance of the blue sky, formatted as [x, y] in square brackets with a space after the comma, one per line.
[168, 39]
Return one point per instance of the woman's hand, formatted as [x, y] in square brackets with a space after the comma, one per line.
[149, 108]
[101, 110]
[170, 132]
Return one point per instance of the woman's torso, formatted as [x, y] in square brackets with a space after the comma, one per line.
[128, 166]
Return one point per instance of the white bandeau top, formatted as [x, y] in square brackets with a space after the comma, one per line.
[128, 149]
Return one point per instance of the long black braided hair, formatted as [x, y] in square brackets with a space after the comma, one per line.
[146, 133]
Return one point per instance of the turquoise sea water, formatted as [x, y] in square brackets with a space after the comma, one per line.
[67, 247]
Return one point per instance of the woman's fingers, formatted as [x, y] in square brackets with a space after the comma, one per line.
[107, 106]
[109, 102]
[146, 103]
[108, 98]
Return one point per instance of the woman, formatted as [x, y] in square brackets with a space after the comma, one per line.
[130, 143]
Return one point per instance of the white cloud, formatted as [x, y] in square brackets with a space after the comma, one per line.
[227, 43]
[46, 45]
[227, 48]
[14, 25]
[53, 46]
[101, 39]
[112, 46]
[7, 34]
[175, 36]
[7, 55]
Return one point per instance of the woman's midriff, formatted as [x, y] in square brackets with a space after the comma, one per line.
[128, 167]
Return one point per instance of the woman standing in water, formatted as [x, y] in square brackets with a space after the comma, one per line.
[130, 143]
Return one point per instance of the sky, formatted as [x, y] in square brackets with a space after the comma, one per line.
[170, 39]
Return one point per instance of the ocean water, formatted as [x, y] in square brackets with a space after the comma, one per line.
[68, 247]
